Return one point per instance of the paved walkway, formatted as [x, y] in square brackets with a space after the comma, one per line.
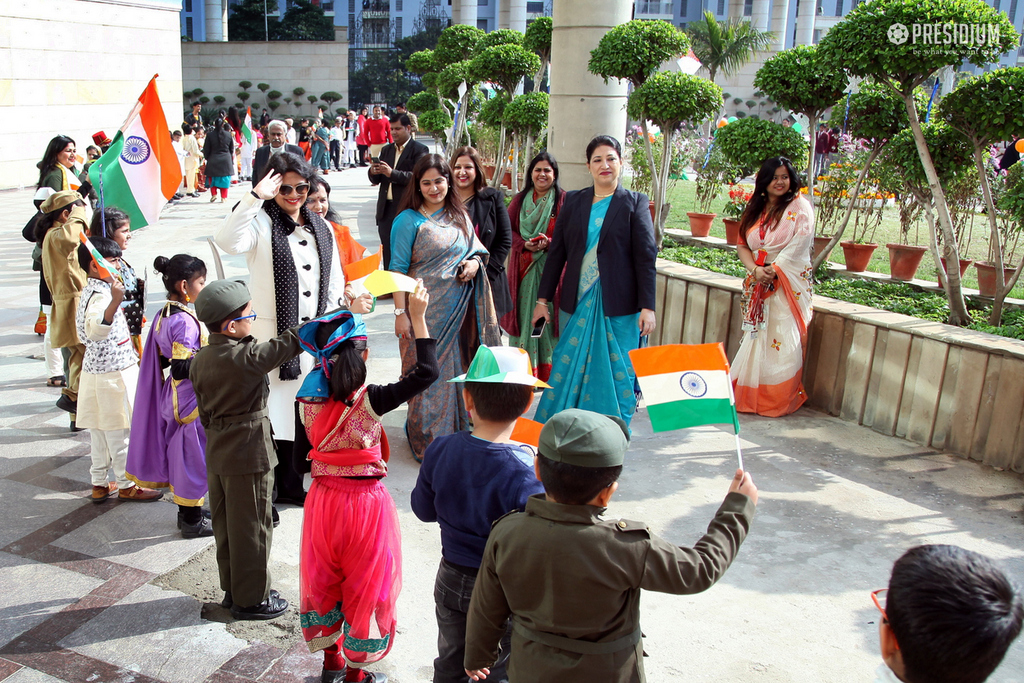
[111, 592]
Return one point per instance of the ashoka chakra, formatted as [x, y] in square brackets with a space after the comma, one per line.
[136, 150]
[693, 384]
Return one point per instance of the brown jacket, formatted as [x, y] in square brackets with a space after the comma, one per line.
[64, 277]
[230, 380]
[571, 583]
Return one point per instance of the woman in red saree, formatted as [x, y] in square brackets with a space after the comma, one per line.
[778, 230]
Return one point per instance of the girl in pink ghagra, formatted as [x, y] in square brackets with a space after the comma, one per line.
[778, 230]
[350, 562]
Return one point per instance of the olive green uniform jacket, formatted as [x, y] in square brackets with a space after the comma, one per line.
[64, 277]
[230, 380]
[571, 583]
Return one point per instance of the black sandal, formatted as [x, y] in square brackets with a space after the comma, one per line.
[57, 381]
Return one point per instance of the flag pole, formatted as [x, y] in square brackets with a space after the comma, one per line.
[103, 217]
[739, 452]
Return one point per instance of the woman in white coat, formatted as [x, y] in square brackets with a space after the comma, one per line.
[295, 276]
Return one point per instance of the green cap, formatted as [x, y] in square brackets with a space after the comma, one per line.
[219, 299]
[584, 438]
[59, 200]
[501, 365]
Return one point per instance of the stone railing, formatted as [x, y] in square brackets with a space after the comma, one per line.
[954, 390]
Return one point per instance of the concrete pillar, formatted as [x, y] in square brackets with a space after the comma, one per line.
[216, 21]
[780, 23]
[504, 13]
[759, 14]
[455, 13]
[467, 12]
[805, 22]
[582, 106]
[735, 10]
[516, 15]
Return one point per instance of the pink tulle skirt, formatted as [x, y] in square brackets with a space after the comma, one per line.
[350, 567]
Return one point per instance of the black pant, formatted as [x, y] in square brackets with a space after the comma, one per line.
[452, 591]
[363, 149]
[336, 154]
[289, 480]
[384, 231]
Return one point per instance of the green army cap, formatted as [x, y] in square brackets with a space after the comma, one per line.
[584, 438]
[219, 299]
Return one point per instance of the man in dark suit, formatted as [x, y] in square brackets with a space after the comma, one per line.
[392, 172]
[276, 132]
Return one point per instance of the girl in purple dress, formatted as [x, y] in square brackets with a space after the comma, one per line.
[168, 446]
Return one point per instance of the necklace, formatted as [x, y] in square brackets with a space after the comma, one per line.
[602, 196]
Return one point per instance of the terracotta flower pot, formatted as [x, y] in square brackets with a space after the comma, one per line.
[819, 246]
[857, 255]
[964, 263]
[489, 171]
[904, 260]
[650, 205]
[987, 277]
[732, 231]
[700, 223]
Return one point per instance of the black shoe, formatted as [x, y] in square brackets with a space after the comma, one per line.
[297, 501]
[66, 404]
[271, 608]
[181, 517]
[227, 602]
[275, 516]
[76, 428]
[201, 530]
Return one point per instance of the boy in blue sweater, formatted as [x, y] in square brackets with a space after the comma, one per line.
[468, 481]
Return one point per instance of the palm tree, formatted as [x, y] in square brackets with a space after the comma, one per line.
[726, 46]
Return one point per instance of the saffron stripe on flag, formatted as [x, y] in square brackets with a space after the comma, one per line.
[666, 417]
[362, 267]
[658, 360]
[159, 139]
[668, 387]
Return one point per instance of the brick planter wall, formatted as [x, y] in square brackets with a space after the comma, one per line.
[954, 390]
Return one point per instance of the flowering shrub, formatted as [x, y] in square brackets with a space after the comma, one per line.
[739, 197]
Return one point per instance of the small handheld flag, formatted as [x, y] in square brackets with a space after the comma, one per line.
[357, 270]
[247, 126]
[686, 385]
[381, 282]
[103, 266]
[526, 431]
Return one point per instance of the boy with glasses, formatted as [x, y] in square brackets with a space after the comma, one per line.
[949, 615]
[229, 377]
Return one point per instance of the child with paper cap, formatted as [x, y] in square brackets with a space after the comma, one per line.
[350, 562]
[466, 482]
[571, 581]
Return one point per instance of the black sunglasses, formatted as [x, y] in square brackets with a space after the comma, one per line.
[301, 188]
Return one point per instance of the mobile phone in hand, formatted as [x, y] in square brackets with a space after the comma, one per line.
[538, 329]
[375, 160]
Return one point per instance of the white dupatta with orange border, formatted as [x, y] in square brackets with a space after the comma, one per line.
[768, 368]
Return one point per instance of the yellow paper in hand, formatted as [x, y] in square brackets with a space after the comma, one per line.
[381, 282]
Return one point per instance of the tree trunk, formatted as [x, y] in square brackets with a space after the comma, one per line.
[995, 242]
[500, 163]
[515, 164]
[812, 121]
[655, 175]
[528, 157]
[934, 244]
[849, 209]
[660, 193]
[958, 314]
[539, 77]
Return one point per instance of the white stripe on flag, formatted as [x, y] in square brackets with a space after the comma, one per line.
[141, 169]
[681, 386]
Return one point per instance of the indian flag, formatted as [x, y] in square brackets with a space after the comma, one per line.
[357, 271]
[103, 267]
[247, 126]
[685, 385]
[140, 170]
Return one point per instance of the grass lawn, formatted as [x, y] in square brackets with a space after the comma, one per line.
[681, 197]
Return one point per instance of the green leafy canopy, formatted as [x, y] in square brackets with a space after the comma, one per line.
[800, 81]
[435, 121]
[456, 44]
[504, 65]
[950, 150]
[633, 51]
[423, 102]
[987, 108]
[876, 113]
[671, 98]
[748, 142]
[538, 36]
[527, 113]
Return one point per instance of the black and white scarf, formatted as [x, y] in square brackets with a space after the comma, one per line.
[286, 278]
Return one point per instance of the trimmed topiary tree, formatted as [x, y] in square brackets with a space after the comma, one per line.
[330, 97]
[669, 100]
[438, 124]
[633, 52]
[220, 99]
[245, 85]
[422, 102]
[538, 40]
[273, 104]
[987, 109]
[802, 82]
[274, 95]
[244, 95]
[527, 116]
[748, 142]
[868, 43]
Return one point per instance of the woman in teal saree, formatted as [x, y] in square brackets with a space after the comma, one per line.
[603, 250]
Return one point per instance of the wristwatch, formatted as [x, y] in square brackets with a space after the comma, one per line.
[399, 312]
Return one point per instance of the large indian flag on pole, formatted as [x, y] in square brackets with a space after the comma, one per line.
[685, 385]
[140, 170]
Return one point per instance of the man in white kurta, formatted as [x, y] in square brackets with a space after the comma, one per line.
[247, 230]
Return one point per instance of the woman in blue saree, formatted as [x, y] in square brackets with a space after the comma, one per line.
[432, 240]
[604, 242]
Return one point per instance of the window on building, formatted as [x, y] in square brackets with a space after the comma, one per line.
[188, 5]
[817, 36]
[995, 5]
[351, 6]
[1013, 10]
[648, 7]
[398, 5]
[481, 3]
[481, 24]
[682, 8]
[188, 27]
[839, 8]
[398, 28]
[748, 7]
[535, 7]
[721, 7]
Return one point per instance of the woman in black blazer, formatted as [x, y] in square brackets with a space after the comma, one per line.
[603, 251]
[486, 207]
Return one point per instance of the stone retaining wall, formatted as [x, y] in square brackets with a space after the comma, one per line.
[954, 390]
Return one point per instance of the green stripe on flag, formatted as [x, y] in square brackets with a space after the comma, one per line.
[666, 417]
[116, 190]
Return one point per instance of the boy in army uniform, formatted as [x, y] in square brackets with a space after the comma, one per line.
[570, 581]
[230, 380]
